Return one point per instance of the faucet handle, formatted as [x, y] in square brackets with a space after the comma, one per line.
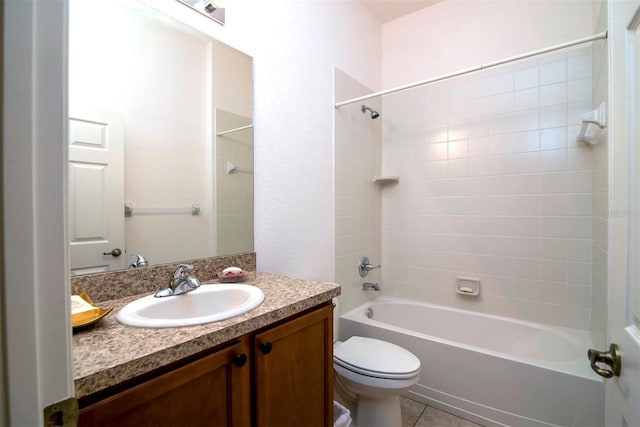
[182, 268]
[365, 266]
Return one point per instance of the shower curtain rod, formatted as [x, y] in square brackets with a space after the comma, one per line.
[599, 36]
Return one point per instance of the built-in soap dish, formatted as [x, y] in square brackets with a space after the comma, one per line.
[468, 286]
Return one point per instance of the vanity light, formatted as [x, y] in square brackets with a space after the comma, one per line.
[210, 6]
[213, 9]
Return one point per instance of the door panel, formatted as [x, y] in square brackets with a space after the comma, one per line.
[623, 392]
[96, 191]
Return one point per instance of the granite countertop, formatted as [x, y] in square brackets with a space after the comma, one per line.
[109, 353]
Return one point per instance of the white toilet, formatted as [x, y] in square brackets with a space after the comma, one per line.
[370, 375]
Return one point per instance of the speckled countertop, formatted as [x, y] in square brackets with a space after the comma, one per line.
[109, 353]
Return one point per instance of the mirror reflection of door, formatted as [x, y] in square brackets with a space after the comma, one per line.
[96, 191]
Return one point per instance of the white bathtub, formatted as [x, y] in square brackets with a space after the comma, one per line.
[489, 369]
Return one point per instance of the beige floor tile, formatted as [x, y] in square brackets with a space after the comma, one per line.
[411, 411]
[433, 417]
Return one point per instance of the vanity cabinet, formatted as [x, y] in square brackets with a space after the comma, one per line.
[212, 391]
[281, 375]
[293, 372]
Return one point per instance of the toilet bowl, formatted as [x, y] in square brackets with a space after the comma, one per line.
[370, 375]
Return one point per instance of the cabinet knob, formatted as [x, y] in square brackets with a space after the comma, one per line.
[239, 360]
[266, 347]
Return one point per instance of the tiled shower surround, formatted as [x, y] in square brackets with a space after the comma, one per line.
[492, 186]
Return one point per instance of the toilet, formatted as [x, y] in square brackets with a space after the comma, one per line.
[369, 376]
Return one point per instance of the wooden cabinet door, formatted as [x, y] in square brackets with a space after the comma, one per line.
[294, 372]
[212, 391]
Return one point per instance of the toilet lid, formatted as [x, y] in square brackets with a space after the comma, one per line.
[376, 358]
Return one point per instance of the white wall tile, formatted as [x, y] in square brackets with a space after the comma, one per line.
[580, 205]
[579, 250]
[553, 160]
[579, 89]
[551, 117]
[553, 183]
[527, 184]
[580, 158]
[576, 110]
[579, 67]
[553, 227]
[579, 273]
[526, 99]
[480, 146]
[553, 293]
[438, 151]
[502, 82]
[553, 205]
[502, 103]
[492, 184]
[553, 94]
[457, 149]
[553, 138]
[527, 78]
[527, 162]
[523, 121]
[526, 205]
[553, 72]
[579, 227]
[553, 249]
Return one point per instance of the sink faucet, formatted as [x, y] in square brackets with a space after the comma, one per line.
[180, 283]
[139, 262]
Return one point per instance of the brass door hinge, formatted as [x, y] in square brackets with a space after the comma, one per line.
[62, 414]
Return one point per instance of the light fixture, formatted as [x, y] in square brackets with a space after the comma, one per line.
[210, 6]
[213, 9]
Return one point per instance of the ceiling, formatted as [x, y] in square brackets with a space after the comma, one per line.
[388, 10]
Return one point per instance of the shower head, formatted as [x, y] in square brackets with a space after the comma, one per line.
[374, 113]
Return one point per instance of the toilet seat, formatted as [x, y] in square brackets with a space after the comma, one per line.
[376, 358]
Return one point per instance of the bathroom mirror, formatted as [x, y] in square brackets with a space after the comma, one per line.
[160, 139]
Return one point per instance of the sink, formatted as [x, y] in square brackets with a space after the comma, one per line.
[208, 303]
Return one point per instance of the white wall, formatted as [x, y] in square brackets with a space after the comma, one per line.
[456, 34]
[492, 182]
[297, 45]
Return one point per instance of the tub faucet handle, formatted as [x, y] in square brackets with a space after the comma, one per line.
[365, 266]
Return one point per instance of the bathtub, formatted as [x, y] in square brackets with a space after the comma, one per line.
[492, 370]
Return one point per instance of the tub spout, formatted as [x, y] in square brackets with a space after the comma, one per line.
[368, 286]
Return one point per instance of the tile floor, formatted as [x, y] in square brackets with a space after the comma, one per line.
[416, 414]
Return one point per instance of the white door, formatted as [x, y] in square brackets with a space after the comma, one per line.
[623, 392]
[96, 191]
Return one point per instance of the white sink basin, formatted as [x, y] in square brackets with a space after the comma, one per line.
[208, 303]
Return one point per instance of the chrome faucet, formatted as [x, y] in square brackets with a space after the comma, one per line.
[365, 266]
[180, 283]
[139, 262]
[368, 286]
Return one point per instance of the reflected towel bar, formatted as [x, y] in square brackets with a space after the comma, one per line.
[224, 132]
[129, 210]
